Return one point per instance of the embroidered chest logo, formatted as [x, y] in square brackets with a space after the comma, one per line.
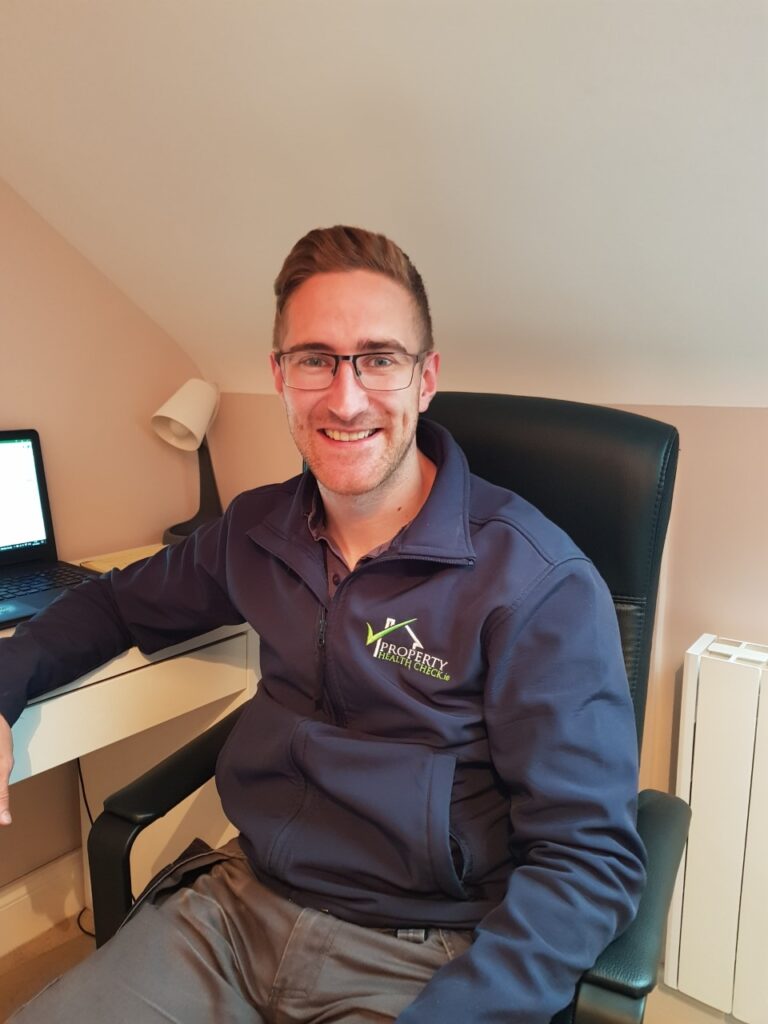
[391, 645]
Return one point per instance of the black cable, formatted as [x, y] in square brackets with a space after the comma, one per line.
[85, 931]
[82, 790]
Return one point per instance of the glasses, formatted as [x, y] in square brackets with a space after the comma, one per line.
[376, 371]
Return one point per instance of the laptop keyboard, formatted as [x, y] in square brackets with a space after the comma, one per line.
[40, 579]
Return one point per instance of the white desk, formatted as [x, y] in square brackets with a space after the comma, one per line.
[128, 715]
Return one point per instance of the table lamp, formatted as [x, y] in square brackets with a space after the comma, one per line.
[183, 421]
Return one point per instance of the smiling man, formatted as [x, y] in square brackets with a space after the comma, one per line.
[354, 364]
[435, 783]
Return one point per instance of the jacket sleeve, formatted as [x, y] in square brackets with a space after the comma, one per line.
[176, 594]
[562, 738]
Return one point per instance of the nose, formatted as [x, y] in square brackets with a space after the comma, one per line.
[346, 395]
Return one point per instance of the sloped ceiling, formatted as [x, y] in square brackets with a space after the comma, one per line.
[583, 183]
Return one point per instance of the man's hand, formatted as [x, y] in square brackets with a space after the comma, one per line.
[6, 763]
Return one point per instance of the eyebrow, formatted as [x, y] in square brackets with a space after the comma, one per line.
[365, 345]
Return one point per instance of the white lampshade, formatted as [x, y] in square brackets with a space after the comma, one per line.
[184, 419]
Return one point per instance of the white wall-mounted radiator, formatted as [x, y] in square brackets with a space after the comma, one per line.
[717, 937]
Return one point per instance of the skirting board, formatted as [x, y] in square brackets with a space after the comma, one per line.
[31, 905]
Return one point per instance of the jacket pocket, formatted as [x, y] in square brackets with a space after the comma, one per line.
[374, 817]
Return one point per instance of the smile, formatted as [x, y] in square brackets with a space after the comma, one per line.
[342, 435]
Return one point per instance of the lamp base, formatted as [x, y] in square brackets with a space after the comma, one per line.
[173, 534]
[210, 503]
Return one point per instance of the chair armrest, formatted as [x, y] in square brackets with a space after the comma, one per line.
[131, 809]
[161, 788]
[629, 965]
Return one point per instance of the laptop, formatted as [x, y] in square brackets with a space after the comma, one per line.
[31, 576]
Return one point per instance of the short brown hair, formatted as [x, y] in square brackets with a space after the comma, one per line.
[343, 248]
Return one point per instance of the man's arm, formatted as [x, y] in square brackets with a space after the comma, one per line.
[176, 594]
[562, 738]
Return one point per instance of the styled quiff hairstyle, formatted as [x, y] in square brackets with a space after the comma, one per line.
[342, 248]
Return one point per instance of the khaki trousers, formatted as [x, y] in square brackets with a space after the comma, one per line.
[225, 950]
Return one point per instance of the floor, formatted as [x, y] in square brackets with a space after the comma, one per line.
[28, 969]
[665, 1006]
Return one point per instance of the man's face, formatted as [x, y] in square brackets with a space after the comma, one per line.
[354, 440]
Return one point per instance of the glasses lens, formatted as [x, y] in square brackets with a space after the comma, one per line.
[309, 371]
[385, 371]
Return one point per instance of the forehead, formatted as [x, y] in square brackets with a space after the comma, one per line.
[344, 310]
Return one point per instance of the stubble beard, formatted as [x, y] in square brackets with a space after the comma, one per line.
[384, 472]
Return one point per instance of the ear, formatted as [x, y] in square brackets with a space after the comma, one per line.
[277, 376]
[428, 382]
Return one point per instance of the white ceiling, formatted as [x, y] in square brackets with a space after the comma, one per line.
[583, 183]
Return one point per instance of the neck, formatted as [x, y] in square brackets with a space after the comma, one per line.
[357, 523]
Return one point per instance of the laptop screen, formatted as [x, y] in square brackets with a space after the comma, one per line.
[25, 527]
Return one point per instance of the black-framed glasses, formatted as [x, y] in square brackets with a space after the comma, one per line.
[307, 370]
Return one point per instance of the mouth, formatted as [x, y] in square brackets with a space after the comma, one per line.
[349, 435]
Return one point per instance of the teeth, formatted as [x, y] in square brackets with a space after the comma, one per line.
[341, 435]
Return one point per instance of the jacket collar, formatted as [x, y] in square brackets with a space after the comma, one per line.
[441, 529]
[440, 532]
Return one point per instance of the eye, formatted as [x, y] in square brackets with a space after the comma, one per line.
[380, 361]
[313, 361]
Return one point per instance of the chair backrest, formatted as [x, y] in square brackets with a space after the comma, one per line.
[605, 476]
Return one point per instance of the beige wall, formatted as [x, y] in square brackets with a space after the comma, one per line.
[717, 554]
[714, 577]
[87, 368]
[250, 444]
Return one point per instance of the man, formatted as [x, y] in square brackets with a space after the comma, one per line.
[435, 782]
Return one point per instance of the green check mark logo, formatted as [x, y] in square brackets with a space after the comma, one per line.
[373, 637]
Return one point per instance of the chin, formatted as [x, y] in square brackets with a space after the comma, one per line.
[346, 485]
[349, 481]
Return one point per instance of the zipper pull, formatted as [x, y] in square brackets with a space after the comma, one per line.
[321, 629]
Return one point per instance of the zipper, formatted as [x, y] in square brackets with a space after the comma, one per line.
[331, 704]
[324, 702]
[321, 634]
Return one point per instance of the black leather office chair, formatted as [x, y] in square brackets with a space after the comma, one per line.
[606, 477]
